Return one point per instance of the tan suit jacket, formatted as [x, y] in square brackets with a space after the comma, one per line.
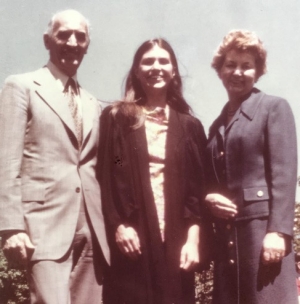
[43, 175]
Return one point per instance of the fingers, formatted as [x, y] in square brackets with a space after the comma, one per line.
[189, 257]
[18, 248]
[184, 263]
[223, 212]
[273, 250]
[131, 246]
[128, 242]
[220, 206]
[28, 244]
[272, 255]
[269, 256]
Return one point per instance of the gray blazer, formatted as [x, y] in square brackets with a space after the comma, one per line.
[260, 160]
[43, 175]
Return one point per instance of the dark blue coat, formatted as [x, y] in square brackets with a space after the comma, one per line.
[253, 162]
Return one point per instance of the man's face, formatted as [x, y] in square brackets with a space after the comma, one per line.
[68, 43]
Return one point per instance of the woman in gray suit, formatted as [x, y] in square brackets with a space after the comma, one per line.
[252, 172]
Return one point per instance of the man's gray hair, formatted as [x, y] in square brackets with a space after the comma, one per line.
[52, 21]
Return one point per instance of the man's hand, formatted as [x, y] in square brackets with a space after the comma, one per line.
[273, 249]
[128, 242]
[17, 247]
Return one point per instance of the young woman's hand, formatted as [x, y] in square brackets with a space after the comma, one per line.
[189, 256]
[128, 242]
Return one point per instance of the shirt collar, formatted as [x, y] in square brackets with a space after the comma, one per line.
[60, 77]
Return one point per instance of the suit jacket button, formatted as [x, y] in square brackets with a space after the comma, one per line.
[231, 262]
[228, 226]
[260, 193]
[77, 190]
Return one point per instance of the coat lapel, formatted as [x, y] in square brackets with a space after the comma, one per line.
[46, 89]
[174, 136]
[88, 112]
[248, 107]
[141, 146]
[56, 100]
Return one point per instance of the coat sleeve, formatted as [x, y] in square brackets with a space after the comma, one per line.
[282, 166]
[113, 171]
[13, 122]
[196, 173]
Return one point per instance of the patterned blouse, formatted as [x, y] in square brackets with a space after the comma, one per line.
[156, 125]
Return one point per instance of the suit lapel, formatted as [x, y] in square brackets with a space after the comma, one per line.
[248, 107]
[88, 112]
[46, 89]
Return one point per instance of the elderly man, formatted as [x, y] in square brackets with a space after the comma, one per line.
[50, 207]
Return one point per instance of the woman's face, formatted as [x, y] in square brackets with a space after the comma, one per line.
[238, 73]
[155, 70]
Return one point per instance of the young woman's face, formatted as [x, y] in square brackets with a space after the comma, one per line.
[155, 70]
[238, 73]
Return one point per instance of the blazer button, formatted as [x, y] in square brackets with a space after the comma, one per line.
[228, 226]
[231, 262]
[230, 244]
[260, 193]
[221, 153]
[77, 190]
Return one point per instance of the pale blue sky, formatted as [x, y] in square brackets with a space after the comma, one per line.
[193, 27]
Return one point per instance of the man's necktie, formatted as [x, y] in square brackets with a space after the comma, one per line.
[72, 90]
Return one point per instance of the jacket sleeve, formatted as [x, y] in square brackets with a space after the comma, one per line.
[282, 166]
[196, 174]
[13, 123]
[113, 171]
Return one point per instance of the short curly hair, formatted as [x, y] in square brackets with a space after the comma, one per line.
[244, 41]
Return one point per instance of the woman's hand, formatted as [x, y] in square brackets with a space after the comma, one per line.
[220, 206]
[189, 256]
[273, 249]
[128, 242]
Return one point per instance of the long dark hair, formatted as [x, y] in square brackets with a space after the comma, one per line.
[135, 96]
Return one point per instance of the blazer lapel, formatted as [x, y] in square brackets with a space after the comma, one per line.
[233, 120]
[88, 112]
[46, 89]
[250, 105]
